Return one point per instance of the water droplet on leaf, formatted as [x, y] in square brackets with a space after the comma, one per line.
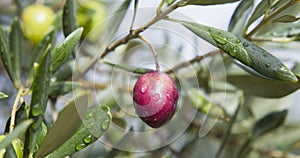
[245, 44]
[105, 124]
[80, 146]
[88, 139]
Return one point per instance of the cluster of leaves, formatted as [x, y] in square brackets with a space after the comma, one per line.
[51, 66]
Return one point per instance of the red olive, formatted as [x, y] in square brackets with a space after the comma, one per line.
[155, 97]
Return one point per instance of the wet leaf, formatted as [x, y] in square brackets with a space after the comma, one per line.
[15, 45]
[61, 88]
[209, 2]
[205, 106]
[62, 52]
[258, 86]
[5, 56]
[40, 90]
[3, 95]
[269, 122]
[240, 17]
[68, 121]
[20, 129]
[96, 121]
[244, 51]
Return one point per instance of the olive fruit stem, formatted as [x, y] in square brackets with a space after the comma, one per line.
[153, 51]
[131, 35]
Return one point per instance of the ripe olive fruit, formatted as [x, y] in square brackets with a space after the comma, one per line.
[155, 97]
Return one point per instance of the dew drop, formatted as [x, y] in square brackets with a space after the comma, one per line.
[233, 52]
[265, 55]
[245, 44]
[267, 65]
[156, 97]
[80, 146]
[105, 124]
[238, 41]
[144, 89]
[88, 139]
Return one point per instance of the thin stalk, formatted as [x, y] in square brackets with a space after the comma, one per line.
[158, 10]
[152, 50]
[14, 110]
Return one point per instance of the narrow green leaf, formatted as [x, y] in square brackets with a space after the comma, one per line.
[69, 17]
[286, 19]
[269, 122]
[128, 68]
[244, 51]
[62, 52]
[15, 45]
[240, 16]
[258, 86]
[5, 56]
[114, 24]
[65, 71]
[205, 106]
[261, 9]
[96, 121]
[209, 2]
[3, 95]
[40, 90]
[246, 147]
[39, 50]
[20, 129]
[61, 88]
[68, 121]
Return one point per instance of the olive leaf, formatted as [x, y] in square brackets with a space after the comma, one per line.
[286, 19]
[95, 122]
[208, 2]
[15, 47]
[62, 52]
[261, 9]
[60, 88]
[269, 122]
[114, 23]
[240, 17]
[3, 95]
[68, 121]
[137, 70]
[39, 50]
[40, 90]
[205, 106]
[69, 18]
[244, 51]
[20, 129]
[258, 86]
[5, 56]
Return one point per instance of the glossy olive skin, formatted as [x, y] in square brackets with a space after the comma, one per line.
[155, 97]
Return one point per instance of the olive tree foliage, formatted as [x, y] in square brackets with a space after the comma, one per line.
[71, 92]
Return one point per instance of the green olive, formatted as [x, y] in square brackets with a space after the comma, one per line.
[37, 21]
[90, 16]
